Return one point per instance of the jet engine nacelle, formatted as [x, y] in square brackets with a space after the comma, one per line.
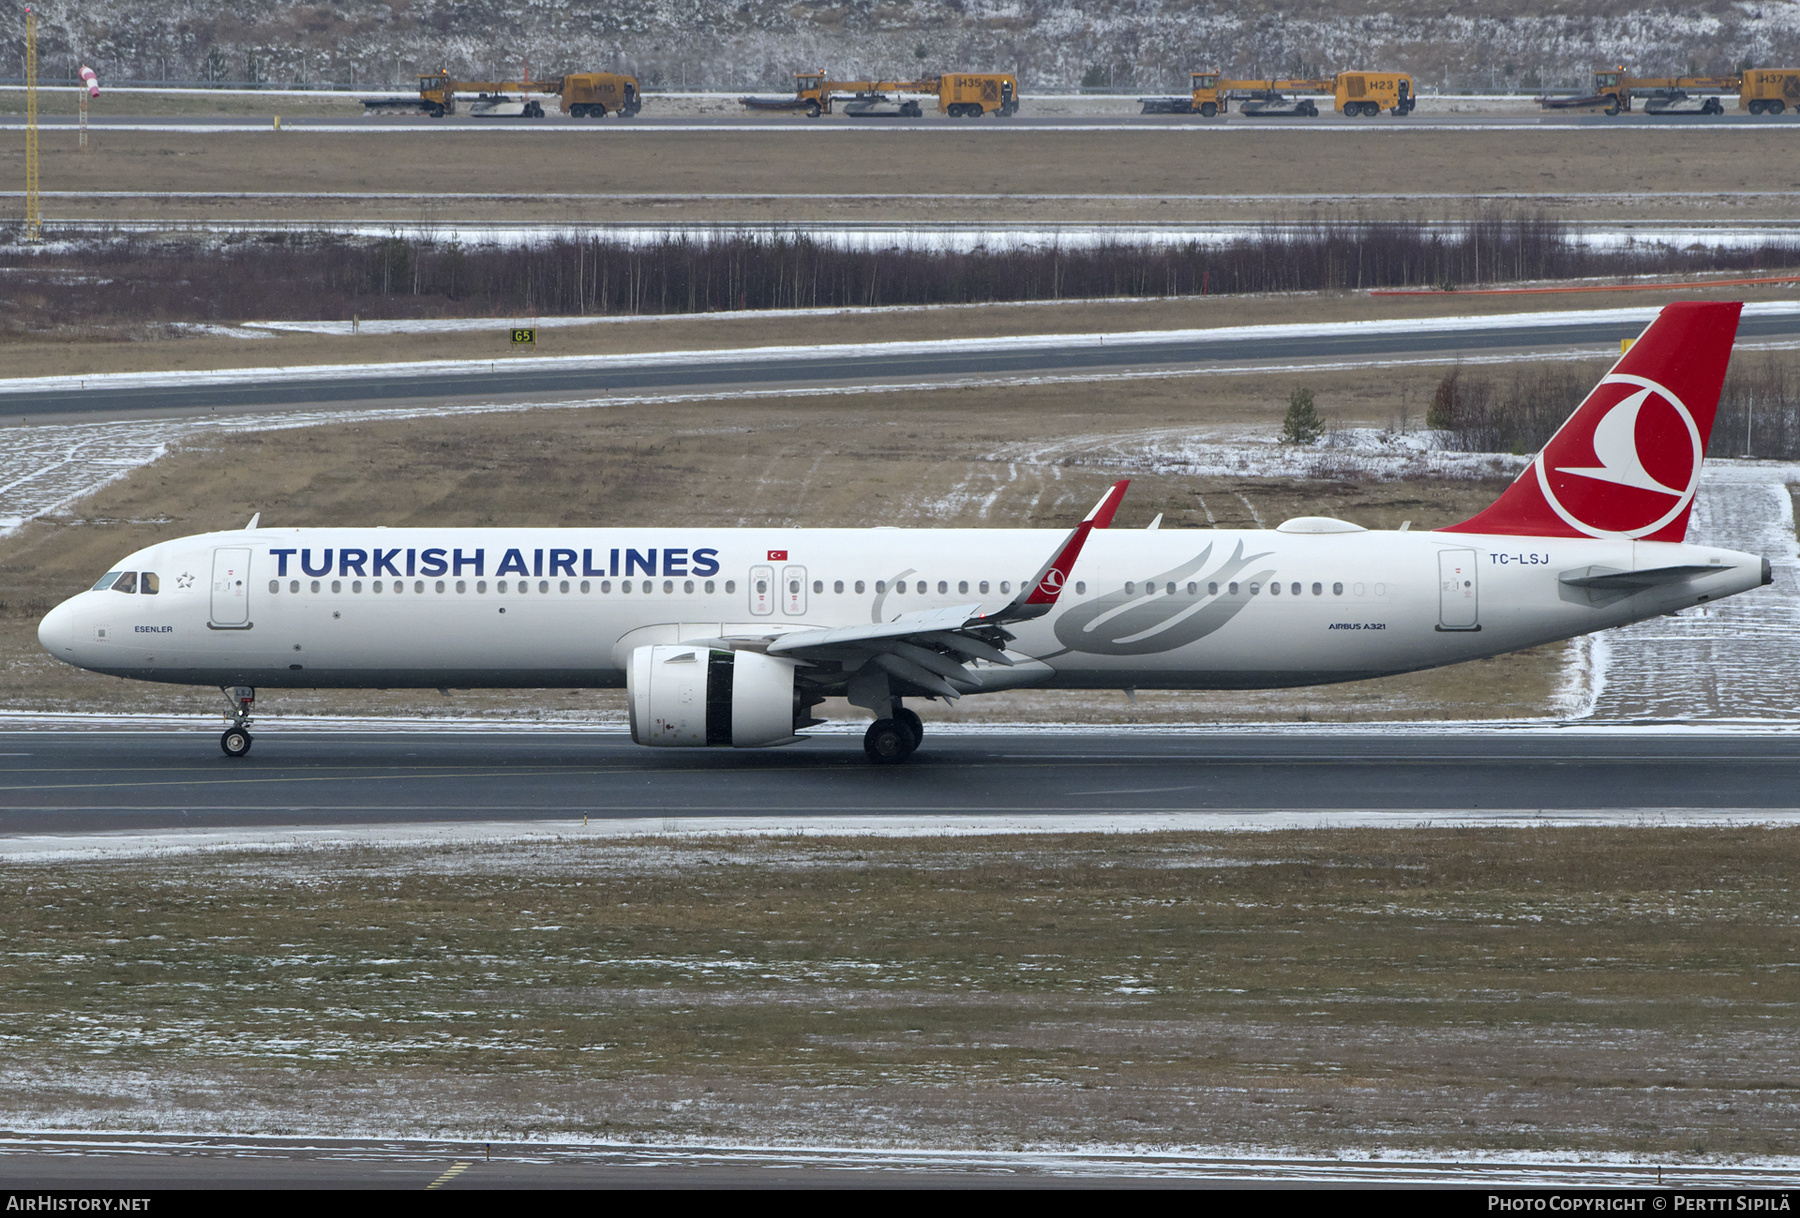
[684, 696]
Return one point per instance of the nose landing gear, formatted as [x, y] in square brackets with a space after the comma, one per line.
[237, 739]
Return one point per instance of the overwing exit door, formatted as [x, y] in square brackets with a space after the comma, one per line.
[231, 588]
[1458, 593]
[793, 591]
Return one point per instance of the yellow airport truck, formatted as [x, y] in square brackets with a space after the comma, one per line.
[975, 94]
[1367, 94]
[1770, 90]
[597, 94]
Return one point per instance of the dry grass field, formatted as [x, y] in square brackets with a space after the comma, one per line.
[1339, 991]
[1029, 455]
[795, 173]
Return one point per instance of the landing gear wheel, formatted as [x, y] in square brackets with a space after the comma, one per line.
[889, 742]
[235, 742]
[912, 723]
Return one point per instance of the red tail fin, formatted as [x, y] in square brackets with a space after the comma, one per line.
[1627, 462]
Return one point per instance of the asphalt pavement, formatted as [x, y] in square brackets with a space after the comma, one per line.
[72, 782]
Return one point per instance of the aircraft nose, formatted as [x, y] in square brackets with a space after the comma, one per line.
[57, 632]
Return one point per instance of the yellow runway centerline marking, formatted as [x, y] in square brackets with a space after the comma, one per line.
[461, 1166]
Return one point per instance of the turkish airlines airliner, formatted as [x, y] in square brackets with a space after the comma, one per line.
[732, 636]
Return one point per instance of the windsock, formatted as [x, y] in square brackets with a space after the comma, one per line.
[90, 80]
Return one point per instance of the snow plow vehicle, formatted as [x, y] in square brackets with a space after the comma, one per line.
[1353, 94]
[582, 95]
[959, 95]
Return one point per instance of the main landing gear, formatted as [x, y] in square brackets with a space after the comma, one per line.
[894, 739]
[237, 739]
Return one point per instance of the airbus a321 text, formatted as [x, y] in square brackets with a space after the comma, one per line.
[731, 637]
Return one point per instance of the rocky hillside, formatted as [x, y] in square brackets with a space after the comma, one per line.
[1054, 45]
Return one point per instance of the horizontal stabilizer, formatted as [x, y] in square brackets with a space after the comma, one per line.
[1607, 579]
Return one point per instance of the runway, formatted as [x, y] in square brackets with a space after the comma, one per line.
[55, 782]
[677, 372]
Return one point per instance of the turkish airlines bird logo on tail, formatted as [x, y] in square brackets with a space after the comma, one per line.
[1627, 463]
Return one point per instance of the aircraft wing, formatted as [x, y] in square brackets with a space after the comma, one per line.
[930, 648]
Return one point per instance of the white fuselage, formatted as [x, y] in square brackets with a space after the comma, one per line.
[1169, 609]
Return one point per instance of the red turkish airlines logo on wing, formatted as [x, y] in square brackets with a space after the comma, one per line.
[1627, 464]
[777, 555]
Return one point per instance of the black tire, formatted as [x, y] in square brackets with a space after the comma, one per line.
[812, 109]
[1756, 107]
[236, 742]
[1612, 111]
[436, 111]
[1776, 106]
[1209, 110]
[888, 742]
[911, 723]
[1312, 111]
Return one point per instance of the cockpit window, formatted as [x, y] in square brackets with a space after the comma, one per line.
[105, 581]
[127, 582]
[148, 584]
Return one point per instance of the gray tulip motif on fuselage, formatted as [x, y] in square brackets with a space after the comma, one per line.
[1150, 619]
